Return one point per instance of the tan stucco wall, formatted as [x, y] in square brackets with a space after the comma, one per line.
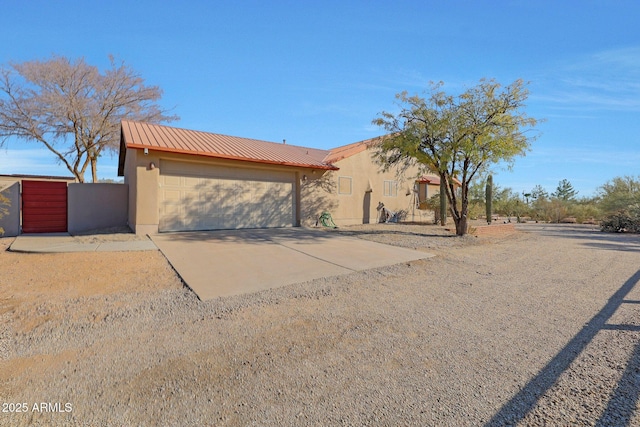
[143, 190]
[367, 191]
[315, 190]
[11, 221]
[317, 195]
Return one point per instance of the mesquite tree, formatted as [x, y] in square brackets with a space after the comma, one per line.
[457, 136]
[73, 109]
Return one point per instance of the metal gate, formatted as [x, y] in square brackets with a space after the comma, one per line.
[44, 207]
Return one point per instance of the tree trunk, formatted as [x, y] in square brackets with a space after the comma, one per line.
[461, 217]
[94, 170]
[443, 202]
[461, 226]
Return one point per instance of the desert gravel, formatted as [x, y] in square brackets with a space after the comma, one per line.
[538, 328]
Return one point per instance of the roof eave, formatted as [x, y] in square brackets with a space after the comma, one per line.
[228, 157]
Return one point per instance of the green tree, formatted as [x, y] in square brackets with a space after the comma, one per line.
[539, 193]
[565, 191]
[619, 194]
[458, 137]
[539, 203]
[73, 109]
[507, 202]
[585, 210]
[556, 209]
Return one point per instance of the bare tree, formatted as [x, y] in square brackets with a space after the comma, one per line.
[73, 109]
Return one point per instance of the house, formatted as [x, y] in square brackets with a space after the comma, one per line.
[183, 179]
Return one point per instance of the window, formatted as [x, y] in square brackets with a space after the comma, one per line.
[390, 188]
[344, 185]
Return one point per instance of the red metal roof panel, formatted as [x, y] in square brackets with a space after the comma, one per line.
[170, 139]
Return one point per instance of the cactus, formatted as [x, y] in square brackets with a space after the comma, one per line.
[443, 201]
[488, 192]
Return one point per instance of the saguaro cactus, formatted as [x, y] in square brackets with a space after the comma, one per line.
[488, 192]
[443, 202]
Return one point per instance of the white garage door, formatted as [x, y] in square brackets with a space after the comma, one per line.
[197, 196]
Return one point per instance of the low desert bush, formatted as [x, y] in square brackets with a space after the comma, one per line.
[627, 220]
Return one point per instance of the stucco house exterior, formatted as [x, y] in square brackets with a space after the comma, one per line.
[183, 180]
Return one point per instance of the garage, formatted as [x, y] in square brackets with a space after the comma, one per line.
[185, 180]
[200, 196]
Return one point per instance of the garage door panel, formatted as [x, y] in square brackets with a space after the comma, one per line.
[209, 203]
[182, 169]
[210, 222]
[189, 181]
[190, 198]
[172, 180]
[171, 222]
[202, 197]
[172, 196]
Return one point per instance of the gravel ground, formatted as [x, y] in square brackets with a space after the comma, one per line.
[538, 328]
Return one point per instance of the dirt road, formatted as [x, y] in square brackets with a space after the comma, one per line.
[542, 327]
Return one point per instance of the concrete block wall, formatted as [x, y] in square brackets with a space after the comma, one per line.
[97, 206]
[10, 222]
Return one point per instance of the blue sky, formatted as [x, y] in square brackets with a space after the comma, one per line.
[316, 73]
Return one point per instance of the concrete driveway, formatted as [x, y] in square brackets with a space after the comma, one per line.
[232, 262]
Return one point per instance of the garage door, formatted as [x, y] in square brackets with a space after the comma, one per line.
[202, 197]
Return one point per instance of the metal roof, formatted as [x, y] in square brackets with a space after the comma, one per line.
[175, 140]
[37, 177]
[339, 153]
[429, 179]
[435, 180]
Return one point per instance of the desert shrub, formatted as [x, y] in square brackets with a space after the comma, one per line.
[585, 210]
[476, 210]
[554, 210]
[432, 204]
[619, 193]
[627, 220]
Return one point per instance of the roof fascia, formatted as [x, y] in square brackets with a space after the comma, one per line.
[226, 157]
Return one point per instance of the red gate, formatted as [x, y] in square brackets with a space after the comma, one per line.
[44, 207]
